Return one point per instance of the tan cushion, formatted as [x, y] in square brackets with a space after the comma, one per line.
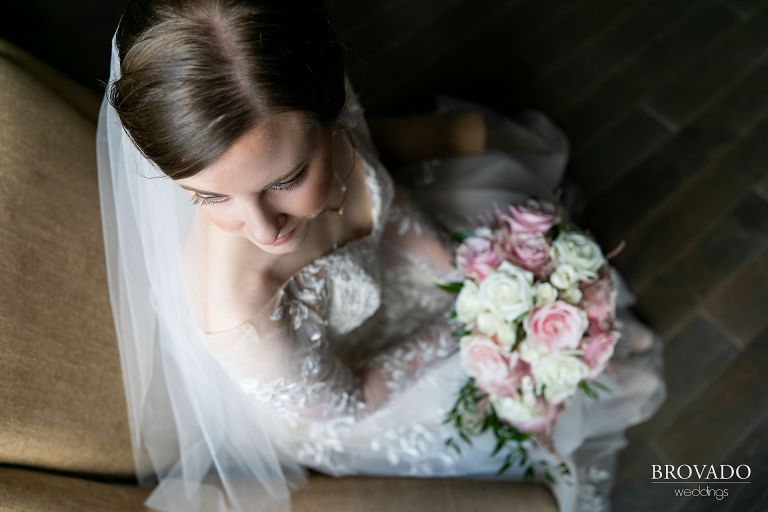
[83, 100]
[23, 490]
[61, 400]
[359, 493]
[32, 491]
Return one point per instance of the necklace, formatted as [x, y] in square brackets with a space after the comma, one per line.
[340, 209]
[343, 184]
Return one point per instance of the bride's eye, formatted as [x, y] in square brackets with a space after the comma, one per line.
[198, 199]
[292, 184]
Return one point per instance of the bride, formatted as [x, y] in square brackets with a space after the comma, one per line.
[274, 287]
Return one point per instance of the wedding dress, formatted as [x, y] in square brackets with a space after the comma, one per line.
[373, 303]
[229, 420]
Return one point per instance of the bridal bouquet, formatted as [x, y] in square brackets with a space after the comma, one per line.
[536, 310]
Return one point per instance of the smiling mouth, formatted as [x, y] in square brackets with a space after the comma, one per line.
[282, 238]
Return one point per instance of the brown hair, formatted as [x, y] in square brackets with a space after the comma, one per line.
[197, 74]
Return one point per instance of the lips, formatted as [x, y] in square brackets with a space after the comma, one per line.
[283, 238]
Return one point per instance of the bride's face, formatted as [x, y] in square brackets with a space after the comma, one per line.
[270, 184]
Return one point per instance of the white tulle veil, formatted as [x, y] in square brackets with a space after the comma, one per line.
[196, 437]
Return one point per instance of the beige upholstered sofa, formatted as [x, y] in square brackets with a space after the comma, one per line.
[64, 440]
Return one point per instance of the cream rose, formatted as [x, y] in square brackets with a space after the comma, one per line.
[564, 276]
[580, 251]
[572, 294]
[526, 412]
[467, 302]
[489, 324]
[544, 293]
[508, 292]
[557, 375]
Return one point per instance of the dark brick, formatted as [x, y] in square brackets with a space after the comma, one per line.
[743, 497]
[742, 304]
[680, 224]
[634, 137]
[709, 152]
[705, 77]
[591, 115]
[633, 490]
[456, 56]
[692, 358]
[676, 289]
[561, 39]
[593, 62]
[708, 430]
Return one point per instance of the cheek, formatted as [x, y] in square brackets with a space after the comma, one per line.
[312, 196]
[223, 219]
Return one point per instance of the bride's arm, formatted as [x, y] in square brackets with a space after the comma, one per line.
[391, 371]
[403, 139]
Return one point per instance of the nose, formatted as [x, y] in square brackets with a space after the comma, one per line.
[259, 222]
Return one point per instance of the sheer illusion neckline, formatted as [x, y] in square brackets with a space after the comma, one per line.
[365, 242]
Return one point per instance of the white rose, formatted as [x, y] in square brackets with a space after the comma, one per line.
[507, 292]
[572, 294]
[518, 409]
[506, 266]
[564, 276]
[488, 323]
[528, 352]
[467, 303]
[507, 334]
[558, 374]
[580, 251]
[544, 293]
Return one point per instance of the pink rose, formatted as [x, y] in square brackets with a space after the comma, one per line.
[531, 216]
[556, 326]
[530, 251]
[599, 300]
[494, 372]
[598, 349]
[479, 255]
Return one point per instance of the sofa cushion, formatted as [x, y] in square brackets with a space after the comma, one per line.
[24, 490]
[416, 494]
[33, 491]
[61, 403]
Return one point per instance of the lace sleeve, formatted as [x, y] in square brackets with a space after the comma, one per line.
[282, 356]
[390, 372]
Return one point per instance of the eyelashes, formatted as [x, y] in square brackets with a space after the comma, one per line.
[290, 185]
[294, 183]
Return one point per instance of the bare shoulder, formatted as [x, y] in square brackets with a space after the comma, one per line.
[226, 282]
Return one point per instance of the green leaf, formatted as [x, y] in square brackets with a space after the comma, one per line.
[528, 475]
[503, 468]
[499, 446]
[459, 236]
[587, 390]
[453, 287]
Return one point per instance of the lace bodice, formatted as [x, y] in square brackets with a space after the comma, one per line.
[351, 329]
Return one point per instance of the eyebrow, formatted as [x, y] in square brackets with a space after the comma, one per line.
[278, 180]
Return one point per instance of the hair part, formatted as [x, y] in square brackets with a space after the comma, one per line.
[197, 74]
